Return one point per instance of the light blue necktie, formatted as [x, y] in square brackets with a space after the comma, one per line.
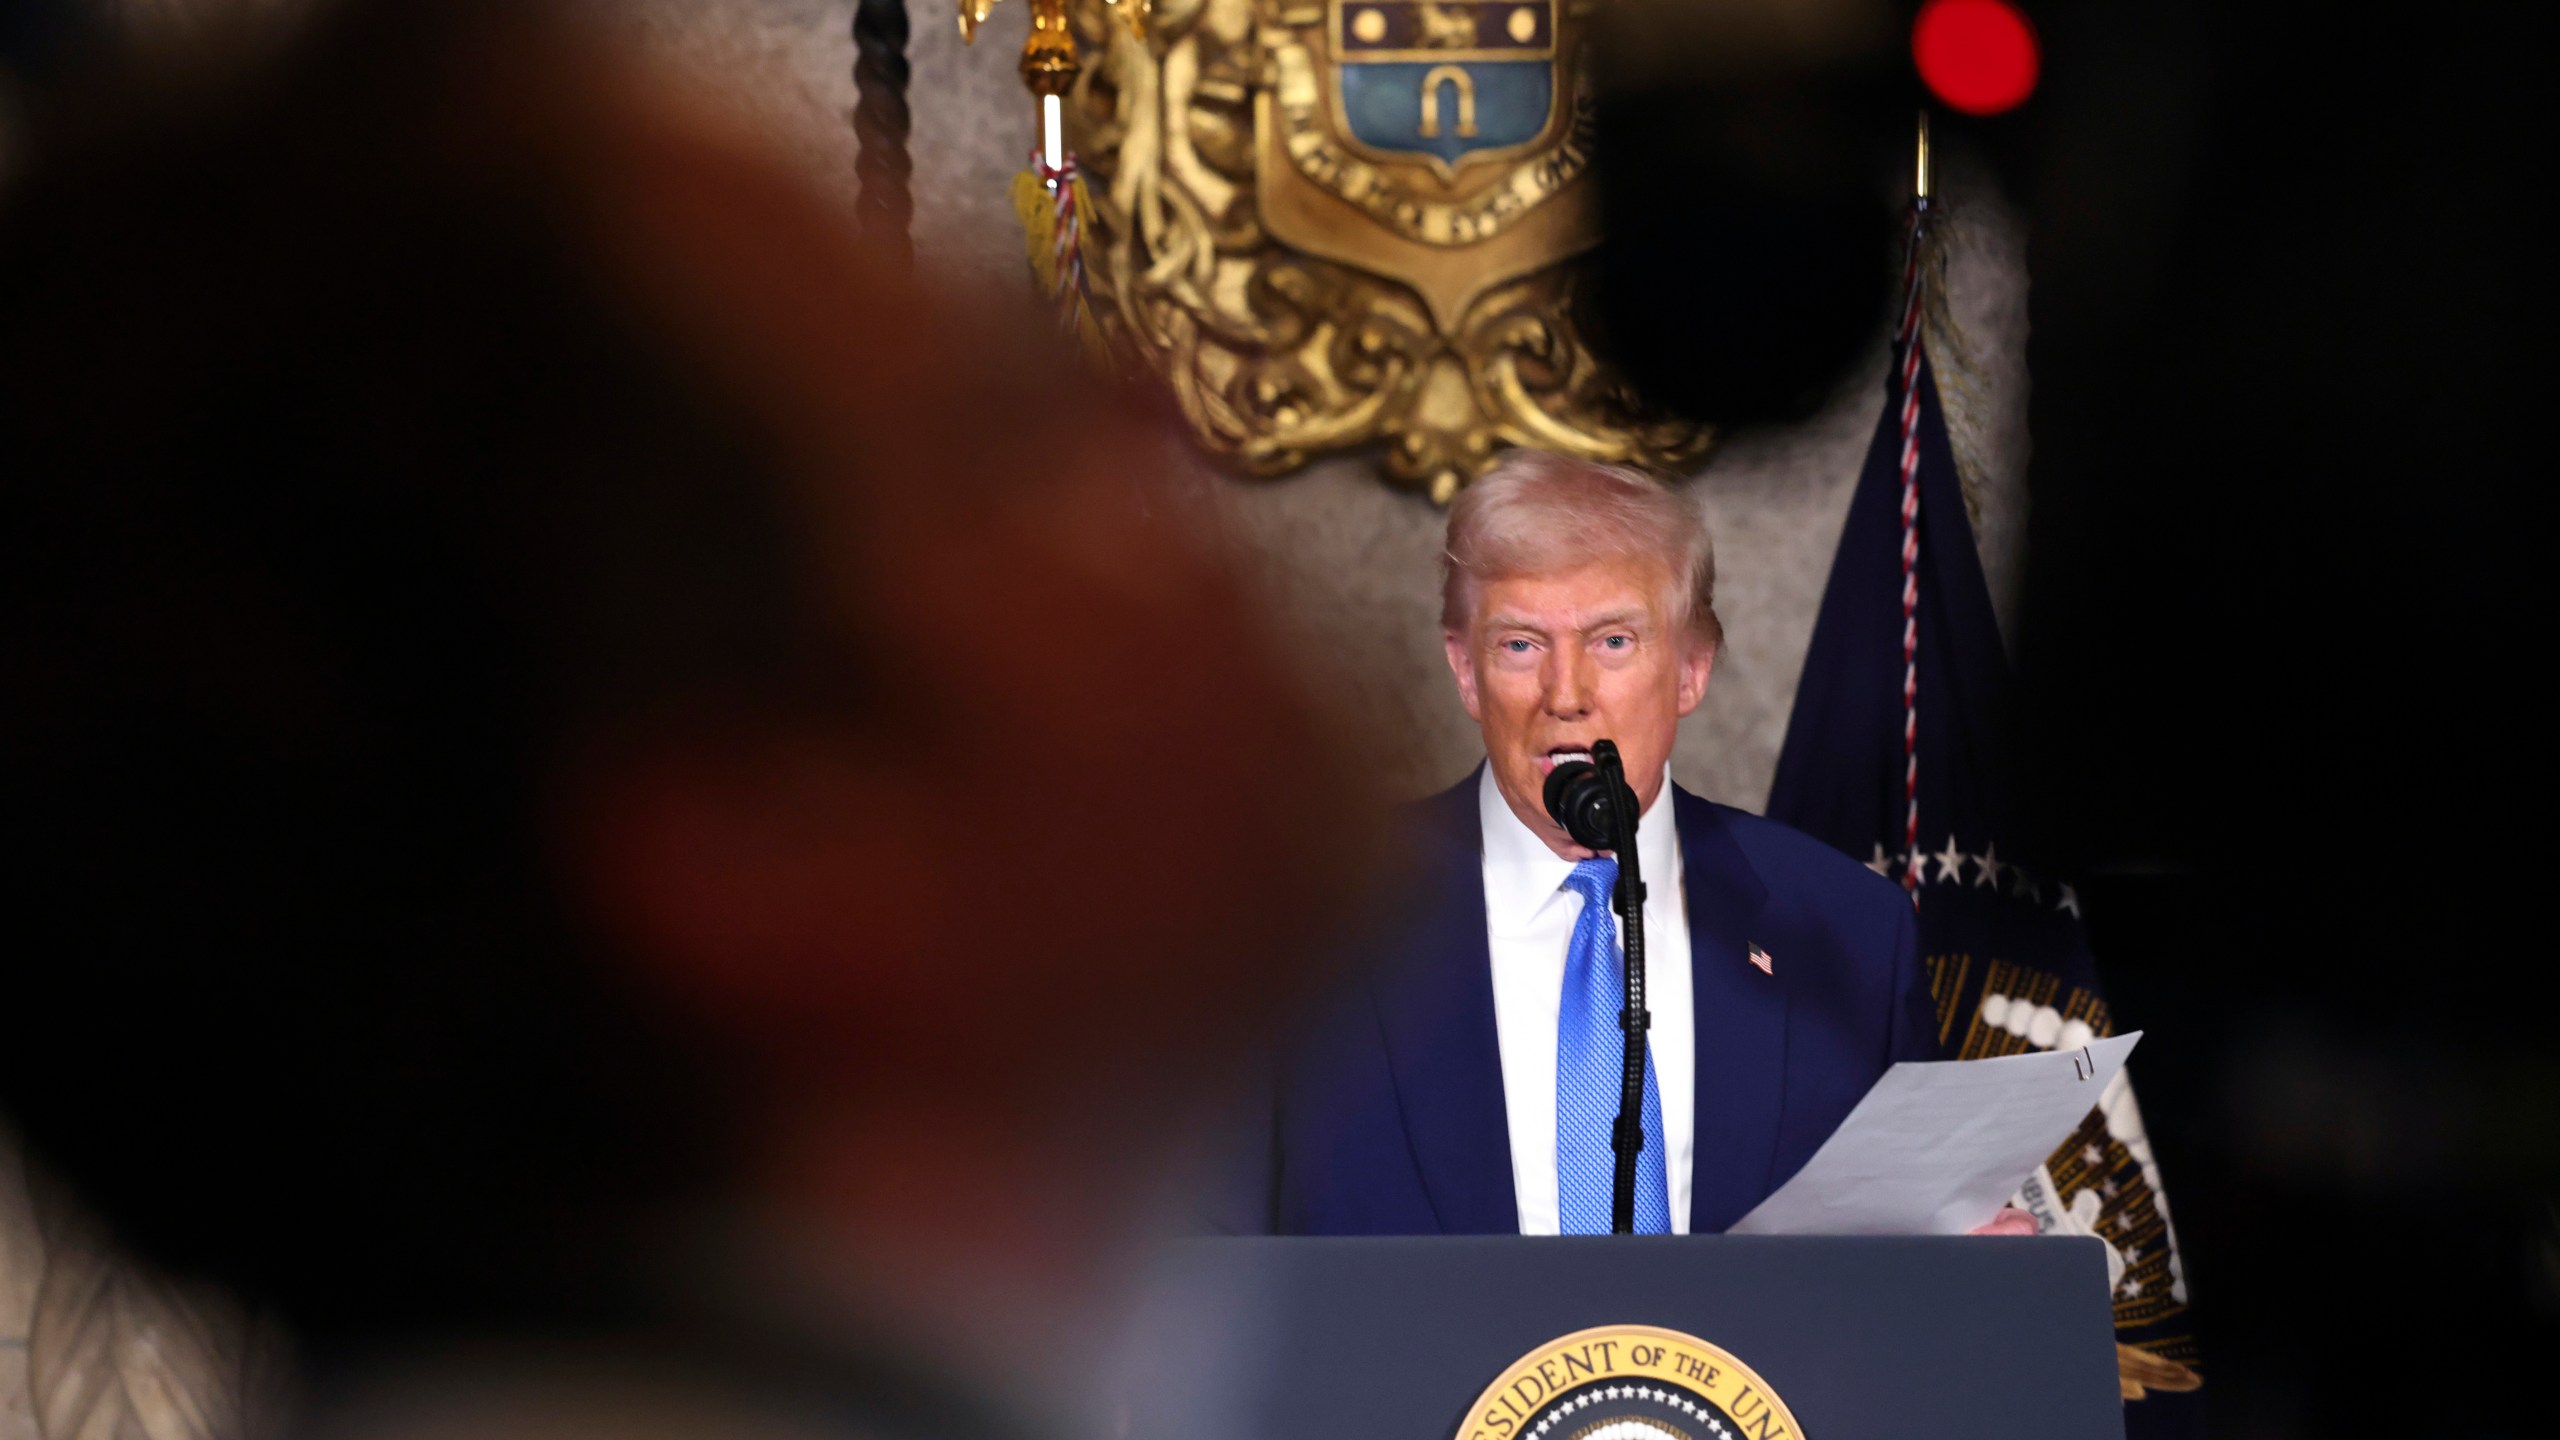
[1590, 1058]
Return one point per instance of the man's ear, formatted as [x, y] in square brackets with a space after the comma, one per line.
[1462, 663]
[1697, 662]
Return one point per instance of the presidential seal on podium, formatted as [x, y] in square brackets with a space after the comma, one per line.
[1629, 1382]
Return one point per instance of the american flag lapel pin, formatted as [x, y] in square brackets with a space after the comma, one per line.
[1760, 958]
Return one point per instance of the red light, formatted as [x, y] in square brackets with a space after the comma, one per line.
[1978, 56]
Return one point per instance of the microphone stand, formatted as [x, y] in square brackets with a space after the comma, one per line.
[1626, 1137]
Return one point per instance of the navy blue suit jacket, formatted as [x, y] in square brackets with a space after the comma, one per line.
[1388, 1119]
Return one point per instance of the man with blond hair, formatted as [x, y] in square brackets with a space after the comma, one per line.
[1469, 1085]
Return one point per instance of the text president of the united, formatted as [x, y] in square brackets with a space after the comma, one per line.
[1467, 1084]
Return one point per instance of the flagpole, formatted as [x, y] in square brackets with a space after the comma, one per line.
[1920, 166]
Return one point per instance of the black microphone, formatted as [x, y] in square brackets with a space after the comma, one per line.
[1592, 802]
[1579, 799]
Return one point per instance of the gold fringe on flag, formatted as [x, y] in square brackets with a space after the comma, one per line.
[1053, 237]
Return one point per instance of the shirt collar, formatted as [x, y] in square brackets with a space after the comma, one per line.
[1522, 876]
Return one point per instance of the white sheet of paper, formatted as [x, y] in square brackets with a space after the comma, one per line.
[1937, 1147]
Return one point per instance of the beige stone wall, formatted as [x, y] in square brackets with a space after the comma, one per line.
[92, 1351]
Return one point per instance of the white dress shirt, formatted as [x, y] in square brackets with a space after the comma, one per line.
[1529, 917]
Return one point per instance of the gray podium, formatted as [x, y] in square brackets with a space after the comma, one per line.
[1397, 1339]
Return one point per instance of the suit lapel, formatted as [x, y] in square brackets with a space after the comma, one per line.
[1436, 1015]
[1741, 1023]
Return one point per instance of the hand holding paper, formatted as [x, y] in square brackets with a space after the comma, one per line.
[1938, 1146]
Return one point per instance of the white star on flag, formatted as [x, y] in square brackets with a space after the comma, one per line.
[1989, 867]
[1881, 864]
[1760, 958]
[2070, 901]
[1950, 861]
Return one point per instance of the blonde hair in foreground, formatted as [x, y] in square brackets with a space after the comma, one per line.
[1536, 513]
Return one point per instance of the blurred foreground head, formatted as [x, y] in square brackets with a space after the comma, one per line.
[543, 693]
[1751, 156]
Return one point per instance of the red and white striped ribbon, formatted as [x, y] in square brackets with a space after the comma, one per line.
[1907, 339]
[1066, 243]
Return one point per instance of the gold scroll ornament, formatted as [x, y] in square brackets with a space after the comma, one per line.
[1330, 224]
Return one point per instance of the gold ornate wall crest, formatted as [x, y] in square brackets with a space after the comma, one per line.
[1328, 224]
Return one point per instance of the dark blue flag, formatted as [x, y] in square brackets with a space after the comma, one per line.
[1894, 755]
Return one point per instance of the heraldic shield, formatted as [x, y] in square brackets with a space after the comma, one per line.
[1445, 81]
[1330, 224]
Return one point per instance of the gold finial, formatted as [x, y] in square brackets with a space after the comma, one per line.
[1049, 62]
[973, 13]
